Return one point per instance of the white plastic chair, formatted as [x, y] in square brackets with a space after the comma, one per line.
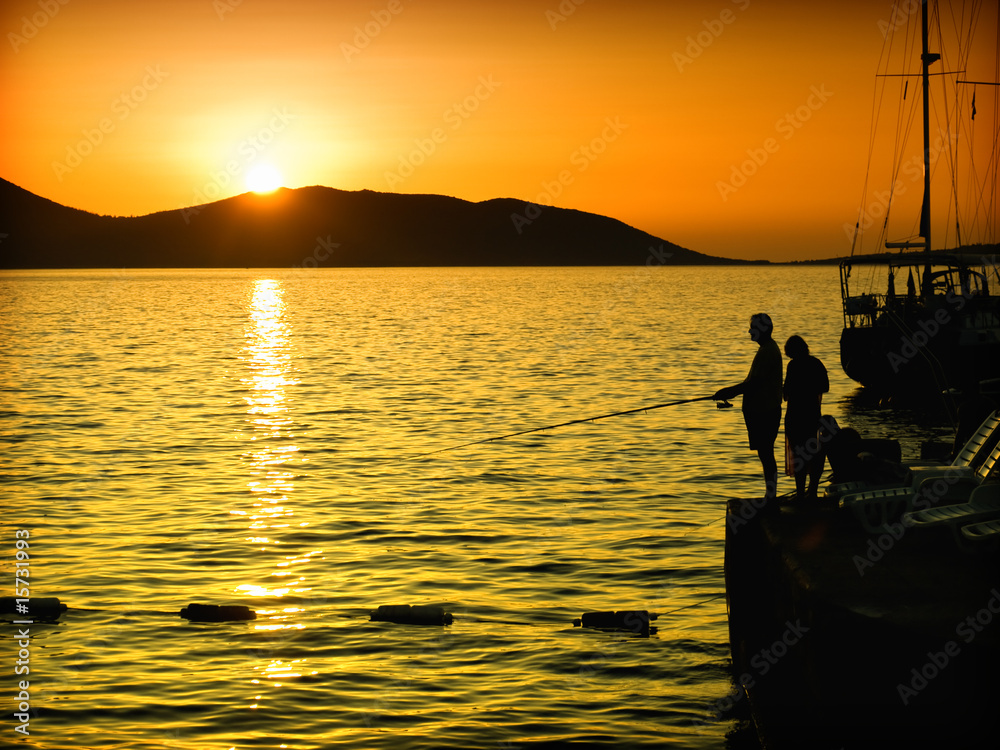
[973, 453]
[876, 509]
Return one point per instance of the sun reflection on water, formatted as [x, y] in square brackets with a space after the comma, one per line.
[267, 356]
[272, 453]
[271, 457]
[280, 669]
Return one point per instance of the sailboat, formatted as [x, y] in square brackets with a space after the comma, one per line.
[941, 328]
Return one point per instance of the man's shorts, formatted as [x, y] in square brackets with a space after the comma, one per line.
[762, 427]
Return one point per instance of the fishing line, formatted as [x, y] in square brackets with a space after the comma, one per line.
[724, 404]
[688, 606]
[701, 526]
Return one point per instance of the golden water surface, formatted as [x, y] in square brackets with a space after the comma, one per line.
[254, 437]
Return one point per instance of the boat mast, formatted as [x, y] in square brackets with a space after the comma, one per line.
[928, 59]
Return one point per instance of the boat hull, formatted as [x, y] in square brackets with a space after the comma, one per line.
[919, 355]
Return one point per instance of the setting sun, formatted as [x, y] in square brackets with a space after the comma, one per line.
[490, 100]
[263, 178]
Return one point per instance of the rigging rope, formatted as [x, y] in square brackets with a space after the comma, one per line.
[975, 193]
[878, 94]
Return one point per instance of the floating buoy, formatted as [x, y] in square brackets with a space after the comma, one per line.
[217, 613]
[633, 620]
[43, 608]
[420, 614]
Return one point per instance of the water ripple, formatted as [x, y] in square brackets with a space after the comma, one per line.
[251, 437]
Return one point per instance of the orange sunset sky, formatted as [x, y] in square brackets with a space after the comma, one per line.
[639, 110]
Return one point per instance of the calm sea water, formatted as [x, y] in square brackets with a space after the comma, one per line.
[253, 437]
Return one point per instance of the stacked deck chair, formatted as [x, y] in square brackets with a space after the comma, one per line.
[980, 516]
[975, 450]
[943, 485]
[983, 536]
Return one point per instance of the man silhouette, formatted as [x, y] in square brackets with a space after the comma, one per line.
[762, 397]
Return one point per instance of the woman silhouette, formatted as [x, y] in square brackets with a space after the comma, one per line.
[805, 383]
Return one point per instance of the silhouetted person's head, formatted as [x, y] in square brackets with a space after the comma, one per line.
[796, 346]
[760, 327]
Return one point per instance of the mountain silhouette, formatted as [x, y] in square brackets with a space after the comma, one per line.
[321, 226]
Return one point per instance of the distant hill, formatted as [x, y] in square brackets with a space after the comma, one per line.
[985, 253]
[320, 226]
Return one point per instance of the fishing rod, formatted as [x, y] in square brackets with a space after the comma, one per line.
[723, 405]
